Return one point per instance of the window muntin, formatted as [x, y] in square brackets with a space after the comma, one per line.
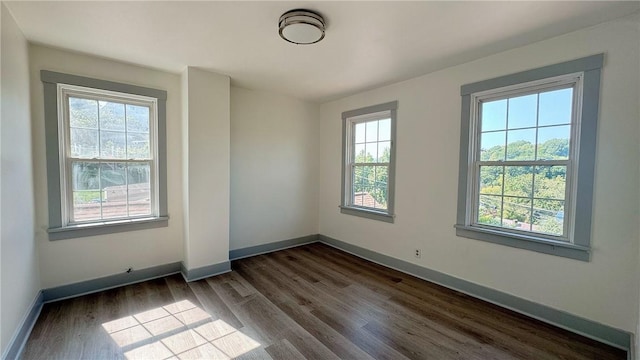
[369, 160]
[108, 155]
[523, 154]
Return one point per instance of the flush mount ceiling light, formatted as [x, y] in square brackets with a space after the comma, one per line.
[301, 26]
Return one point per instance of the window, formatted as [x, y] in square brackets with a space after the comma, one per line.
[368, 161]
[105, 156]
[527, 158]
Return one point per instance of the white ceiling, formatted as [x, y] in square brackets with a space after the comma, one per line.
[367, 44]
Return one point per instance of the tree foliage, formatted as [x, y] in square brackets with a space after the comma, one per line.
[520, 184]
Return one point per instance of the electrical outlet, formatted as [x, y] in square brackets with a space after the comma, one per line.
[418, 253]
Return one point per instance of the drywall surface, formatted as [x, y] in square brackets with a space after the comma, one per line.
[206, 170]
[73, 260]
[606, 288]
[20, 279]
[274, 168]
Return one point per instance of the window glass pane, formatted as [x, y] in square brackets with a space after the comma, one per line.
[523, 111]
[384, 151]
[360, 132]
[518, 181]
[84, 143]
[375, 193]
[113, 179]
[520, 144]
[548, 216]
[379, 198]
[550, 182]
[382, 178]
[364, 178]
[83, 113]
[492, 146]
[359, 153]
[85, 176]
[368, 178]
[517, 213]
[139, 189]
[491, 178]
[555, 107]
[112, 145]
[86, 206]
[358, 199]
[553, 142]
[138, 146]
[380, 189]
[490, 210]
[372, 152]
[137, 118]
[360, 177]
[85, 182]
[384, 129]
[494, 115]
[372, 131]
[366, 199]
[111, 116]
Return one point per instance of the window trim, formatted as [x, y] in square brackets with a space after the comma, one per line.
[583, 172]
[57, 228]
[65, 92]
[345, 206]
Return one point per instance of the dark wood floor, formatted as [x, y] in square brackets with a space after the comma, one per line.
[311, 302]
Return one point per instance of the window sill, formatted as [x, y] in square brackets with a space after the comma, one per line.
[106, 227]
[369, 214]
[533, 243]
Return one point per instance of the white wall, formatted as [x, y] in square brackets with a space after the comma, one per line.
[206, 168]
[73, 260]
[20, 280]
[604, 290]
[274, 168]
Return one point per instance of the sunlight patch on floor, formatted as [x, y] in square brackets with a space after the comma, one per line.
[180, 330]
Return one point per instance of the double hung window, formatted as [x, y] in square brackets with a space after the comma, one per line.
[368, 167]
[524, 156]
[106, 156]
[527, 158]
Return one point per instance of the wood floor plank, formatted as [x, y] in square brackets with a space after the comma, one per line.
[328, 310]
[300, 265]
[283, 350]
[507, 324]
[180, 290]
[228, 291]
[212, 303]
[309, 302]
[308, 346]
[268, 322]
[362, 339]
[331, 338]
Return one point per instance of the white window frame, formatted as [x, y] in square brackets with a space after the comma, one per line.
[66, 91]
[584, 76]
[349, 120]
[573, 81]
[56, 87]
